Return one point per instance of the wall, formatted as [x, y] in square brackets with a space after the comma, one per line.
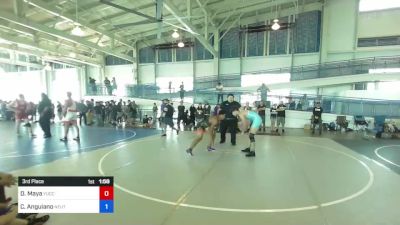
[204, 68]
[94, 72]
[124, 75]
[146, 74]
[176, 69]
[379, 23]
[339, 29]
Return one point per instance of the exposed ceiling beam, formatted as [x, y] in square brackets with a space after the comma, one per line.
[188, 25]
[244, 20]
[69, 17]
[255, 5]
[60, 52]
[116, 16]
[60, 34]
[136, 12]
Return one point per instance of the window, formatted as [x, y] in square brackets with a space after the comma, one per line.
[371, 5]
[255, 42]
[278, 40]
[4, 54]
[200, 52]
[146, 55]
[165, 55]
[27, 83]
[112, 60]
[22, 58]
[230, 44]
[183, 54]
[378, 41]
[307, 32]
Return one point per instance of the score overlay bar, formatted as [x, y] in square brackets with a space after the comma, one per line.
[65, 195]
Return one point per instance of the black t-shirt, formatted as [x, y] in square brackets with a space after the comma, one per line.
[262, 111]
[229, 107]
[98, 109]
[181, 109]
[169, 111]
[317, 111]
[207, 109]
[192, 110]
[281, 113]
[273, 112]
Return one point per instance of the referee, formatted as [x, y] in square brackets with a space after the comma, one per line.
[230, 121]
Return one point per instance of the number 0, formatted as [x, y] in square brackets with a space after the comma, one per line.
[106, 193]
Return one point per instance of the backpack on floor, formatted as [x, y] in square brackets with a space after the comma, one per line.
[332, 126]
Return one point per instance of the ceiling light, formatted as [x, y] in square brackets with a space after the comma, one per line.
[175, 34]
[77, 31]
[181, 44]
[72, 54]
[276, 25]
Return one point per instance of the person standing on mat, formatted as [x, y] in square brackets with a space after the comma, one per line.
[273, 116]
[70, 117]
[220, 89]
[181, 112]
[247, 118]
[230, 121]
[317, 118]
[281, 109]
[212, 124]
[168, 121]
[261, 112]
[45, 109]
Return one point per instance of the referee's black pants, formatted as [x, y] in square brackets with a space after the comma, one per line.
[231, 126]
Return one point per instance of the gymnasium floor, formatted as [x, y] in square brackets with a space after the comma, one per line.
[296, 179]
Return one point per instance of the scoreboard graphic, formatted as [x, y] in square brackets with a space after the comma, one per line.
[65, 194]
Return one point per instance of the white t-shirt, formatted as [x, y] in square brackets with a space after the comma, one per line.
[220, 88]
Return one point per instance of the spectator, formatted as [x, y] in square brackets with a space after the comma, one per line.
[114, 84]
[182, 91]
[170, 87]
[155, 111]
[3, 108]
[263, 92]
[281, 109]
[92, 83]
[98, 111]
[247, 106]
[220, 89]
[207, 111]
[292, 105]
[83, 109]
[299, 106]
[261, 112]
[216, 109]
[107, 83]
[181, 112]
[192, 111]
[317, 117]
[273, 116]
